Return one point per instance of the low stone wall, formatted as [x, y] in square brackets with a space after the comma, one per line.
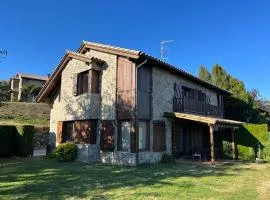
[88, 153]
[149, 157]
[129, 159]
[119, 158]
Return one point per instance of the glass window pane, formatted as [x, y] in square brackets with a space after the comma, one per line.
[142, 135]
[125, 130]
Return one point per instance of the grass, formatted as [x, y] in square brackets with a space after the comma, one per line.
[47, 179]
[24, 113]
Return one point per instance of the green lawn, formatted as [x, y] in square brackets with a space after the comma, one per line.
[47, 179]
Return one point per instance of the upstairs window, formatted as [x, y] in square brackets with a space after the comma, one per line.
[82, 82]
[88, 81]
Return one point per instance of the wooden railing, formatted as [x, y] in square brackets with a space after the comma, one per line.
[195, 106]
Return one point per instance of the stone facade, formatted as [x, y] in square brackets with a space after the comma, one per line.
[85, 106]
[162, 97]
[102, 106]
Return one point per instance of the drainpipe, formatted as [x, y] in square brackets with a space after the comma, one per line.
[136, 109]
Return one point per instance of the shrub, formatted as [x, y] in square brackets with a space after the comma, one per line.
[266, 152]
[25, 140]
[65, 152]
[245, 153]
[248, 137]
[7, 141]
[167, 158]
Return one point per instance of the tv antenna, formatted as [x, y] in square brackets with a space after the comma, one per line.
[164, 48]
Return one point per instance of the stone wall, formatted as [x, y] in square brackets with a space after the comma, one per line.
[162, 97]
[88, 153]
[129, 159]
[85, 106]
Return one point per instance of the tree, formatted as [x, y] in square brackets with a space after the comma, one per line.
[242, 105]
[31, 89]
[204, 74]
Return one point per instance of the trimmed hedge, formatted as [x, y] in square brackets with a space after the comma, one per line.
[7, 141]
[16, 140]
[249, 136]
[25, 140]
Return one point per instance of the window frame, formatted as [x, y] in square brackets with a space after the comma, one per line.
[147, 135]
[80, 82]
[120, 138]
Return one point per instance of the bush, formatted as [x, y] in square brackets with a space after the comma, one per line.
[167, 158]
[245, 153]
[266, 152]
[65, 152]
[7, 141]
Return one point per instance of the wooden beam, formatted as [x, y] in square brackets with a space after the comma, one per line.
[233, 144]
[212, 144]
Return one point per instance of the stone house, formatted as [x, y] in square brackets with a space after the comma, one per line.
[126, 107]
[19, 81]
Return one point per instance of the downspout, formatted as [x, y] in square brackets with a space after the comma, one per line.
[136, 110]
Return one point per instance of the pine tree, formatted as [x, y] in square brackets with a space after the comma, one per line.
[204, 74]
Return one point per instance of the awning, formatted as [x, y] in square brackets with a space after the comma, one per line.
[203, 119]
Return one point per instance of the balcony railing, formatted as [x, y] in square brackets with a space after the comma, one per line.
[195, 106]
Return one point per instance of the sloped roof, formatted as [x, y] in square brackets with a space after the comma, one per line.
[136, 54]
[51, 82]
[32, 76]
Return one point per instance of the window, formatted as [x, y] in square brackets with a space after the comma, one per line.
[124, 136]
[82, 83]
[144, 136]
[159, 143]
[82, 131]
[68, 129]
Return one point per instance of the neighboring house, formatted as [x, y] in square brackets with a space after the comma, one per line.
[126, 107]
[20, 81]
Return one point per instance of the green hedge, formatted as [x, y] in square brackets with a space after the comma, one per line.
[7, 141]
[16, 140]
[25, 135]
[248, 137]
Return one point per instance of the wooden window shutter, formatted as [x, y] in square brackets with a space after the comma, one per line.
[159, 143]
[75, 83]
[133, 145]
[59, 132]
[95, 81]
[119, 137]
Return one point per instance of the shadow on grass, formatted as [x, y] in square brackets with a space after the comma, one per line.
[44, 179]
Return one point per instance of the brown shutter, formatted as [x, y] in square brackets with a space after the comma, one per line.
[75, 82]
[119, 137]
[59, 132]
[95, 81]
[132, 138]
[159, 143]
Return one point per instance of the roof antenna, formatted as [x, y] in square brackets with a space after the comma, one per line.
[164, 49]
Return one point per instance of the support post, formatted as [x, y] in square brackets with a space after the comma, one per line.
[233, 144]
[212, 145]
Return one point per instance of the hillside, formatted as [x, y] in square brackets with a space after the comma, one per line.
[24, 113]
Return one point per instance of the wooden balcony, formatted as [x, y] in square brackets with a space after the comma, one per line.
[196, 107]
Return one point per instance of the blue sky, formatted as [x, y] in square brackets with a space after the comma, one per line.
[235, 34]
